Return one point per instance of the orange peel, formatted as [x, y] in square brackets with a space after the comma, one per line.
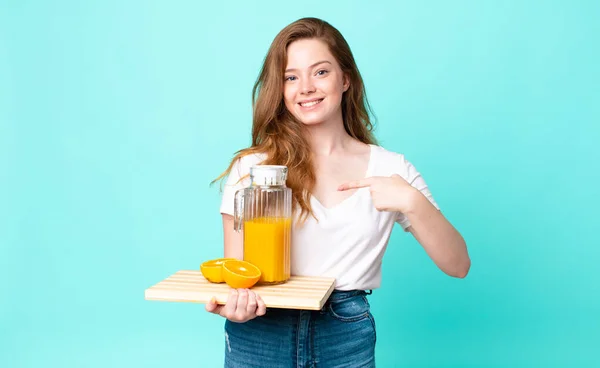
[240, 274]
[213, 270]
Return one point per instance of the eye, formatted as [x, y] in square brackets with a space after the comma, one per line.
[322, 72]
[290, 78]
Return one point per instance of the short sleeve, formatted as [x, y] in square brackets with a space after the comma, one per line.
[414, 178]
[240, 169]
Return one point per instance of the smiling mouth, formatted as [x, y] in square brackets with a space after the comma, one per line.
[311, 103]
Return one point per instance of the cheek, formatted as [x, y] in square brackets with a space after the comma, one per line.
[334, 87]
[288, 95]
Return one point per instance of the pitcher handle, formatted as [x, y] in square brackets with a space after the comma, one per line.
[238, 210]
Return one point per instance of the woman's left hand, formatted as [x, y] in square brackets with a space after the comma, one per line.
[389, 193]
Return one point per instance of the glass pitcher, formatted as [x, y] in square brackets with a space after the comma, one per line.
[265, 211]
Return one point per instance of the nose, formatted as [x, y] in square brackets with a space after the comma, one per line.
[307, 86]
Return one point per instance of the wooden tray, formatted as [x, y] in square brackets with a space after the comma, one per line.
[300, 292]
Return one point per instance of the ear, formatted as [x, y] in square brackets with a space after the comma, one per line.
[346, 82]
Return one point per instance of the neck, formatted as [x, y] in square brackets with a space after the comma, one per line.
[328, 137]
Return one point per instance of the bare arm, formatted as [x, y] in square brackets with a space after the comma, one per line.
[233, 240]
[442, 242]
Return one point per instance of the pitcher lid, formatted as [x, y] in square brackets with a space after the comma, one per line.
[268, 174]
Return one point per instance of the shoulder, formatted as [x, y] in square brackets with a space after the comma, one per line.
[240, 169]
[252, 159]
[243, 164]
[387, 162]
[385, 155]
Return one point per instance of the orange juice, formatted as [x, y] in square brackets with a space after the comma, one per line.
[267, 246]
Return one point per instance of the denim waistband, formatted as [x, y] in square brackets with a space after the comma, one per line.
[338, 295]
[335, 297]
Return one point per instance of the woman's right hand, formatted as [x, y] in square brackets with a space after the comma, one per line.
[242, 305]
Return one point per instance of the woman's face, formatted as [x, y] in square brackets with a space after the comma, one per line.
[313, 82]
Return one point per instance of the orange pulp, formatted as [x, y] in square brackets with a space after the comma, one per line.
[212, 270]
[240, 274]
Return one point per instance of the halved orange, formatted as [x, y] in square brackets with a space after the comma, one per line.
[240, 274]
[213, 269]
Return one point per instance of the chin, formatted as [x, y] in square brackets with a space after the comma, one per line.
[311, 122]
[312, 119]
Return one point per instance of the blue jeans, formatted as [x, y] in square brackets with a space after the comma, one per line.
[342, 334]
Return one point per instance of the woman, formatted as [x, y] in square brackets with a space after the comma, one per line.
[310, 114]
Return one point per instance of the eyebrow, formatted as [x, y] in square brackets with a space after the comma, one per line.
[310, 67]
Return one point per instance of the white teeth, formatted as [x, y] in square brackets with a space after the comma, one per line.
[309, 104]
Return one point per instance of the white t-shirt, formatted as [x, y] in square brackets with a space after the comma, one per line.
[349, 240]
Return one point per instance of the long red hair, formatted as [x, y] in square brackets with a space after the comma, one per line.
[280, 136]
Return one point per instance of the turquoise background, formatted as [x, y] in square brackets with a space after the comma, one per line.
[115, 116]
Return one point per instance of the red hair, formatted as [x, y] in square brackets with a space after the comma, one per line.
[280, 136]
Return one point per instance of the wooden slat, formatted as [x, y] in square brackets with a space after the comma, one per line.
[300, 292]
